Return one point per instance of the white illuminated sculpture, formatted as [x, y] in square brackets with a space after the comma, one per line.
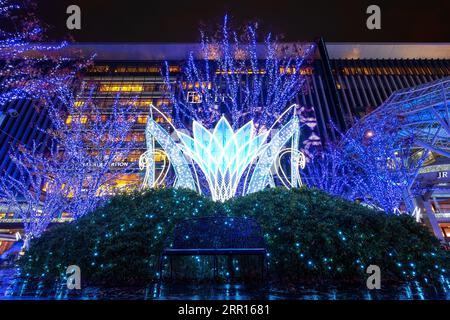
[224, 155]
[154, 131]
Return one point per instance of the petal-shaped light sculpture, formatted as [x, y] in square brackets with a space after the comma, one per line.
[223, 154]
[174, 154]
[261, 174]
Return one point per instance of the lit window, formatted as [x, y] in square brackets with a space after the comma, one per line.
[82, 119]
[174, 69]
[134, 156]
[154, 69]
[142, 119]
[136, 137]
[144, 103]
[120, 69]
[159, 157]
[163, 88]
[163, 120]
[121, 88]
[161, 102]
[446, 231]
[139, 137]
[98, 69]
[150, 87]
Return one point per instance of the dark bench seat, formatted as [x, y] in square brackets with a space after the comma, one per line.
[215, 236]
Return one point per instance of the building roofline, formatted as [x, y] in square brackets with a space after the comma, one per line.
[388, 50]
[179, 51]
[336, 50]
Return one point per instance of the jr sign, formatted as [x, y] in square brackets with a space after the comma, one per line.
[443, 175]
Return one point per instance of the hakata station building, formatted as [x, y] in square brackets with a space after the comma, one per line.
[345, 82]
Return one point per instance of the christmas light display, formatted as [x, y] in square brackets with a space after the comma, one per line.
[299, 161]
[184, 178]
[30, 69]
[233, 96]
[38, 193]
[261, 174]
[146, 163]
[223, 155]
[92, 144]
[236, 127]
[41, 188]
[329, 171]
[235, 75]
[378, 160]
[423, 114]
[314, 217]
[74, 173]
[390, 145]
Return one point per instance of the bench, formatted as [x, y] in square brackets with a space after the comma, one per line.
[215, 236]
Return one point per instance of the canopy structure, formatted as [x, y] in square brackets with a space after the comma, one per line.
[422, 113]
[405, 135]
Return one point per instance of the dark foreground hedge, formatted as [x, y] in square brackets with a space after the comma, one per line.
[313, 236]
[310, 236]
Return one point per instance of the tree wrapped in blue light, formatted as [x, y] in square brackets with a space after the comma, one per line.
[236, 76]
[92, 143]
[30, 69]
[329, 171]
[384, 163]
[36, 193]
[373, 163]
[234, 79]
[74, 172]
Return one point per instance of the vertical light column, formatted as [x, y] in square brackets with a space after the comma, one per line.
[433, 221]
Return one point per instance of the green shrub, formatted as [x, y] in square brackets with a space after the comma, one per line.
[313, 236]
[310, 236]
[119, 243]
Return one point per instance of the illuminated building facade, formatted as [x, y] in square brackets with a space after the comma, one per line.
[139, 83]
[345, 81]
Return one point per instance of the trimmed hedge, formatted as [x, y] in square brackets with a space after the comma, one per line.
[314, 236]
[119, 243]
[310, 236]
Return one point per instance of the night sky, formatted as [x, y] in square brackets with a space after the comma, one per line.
[179, 21]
